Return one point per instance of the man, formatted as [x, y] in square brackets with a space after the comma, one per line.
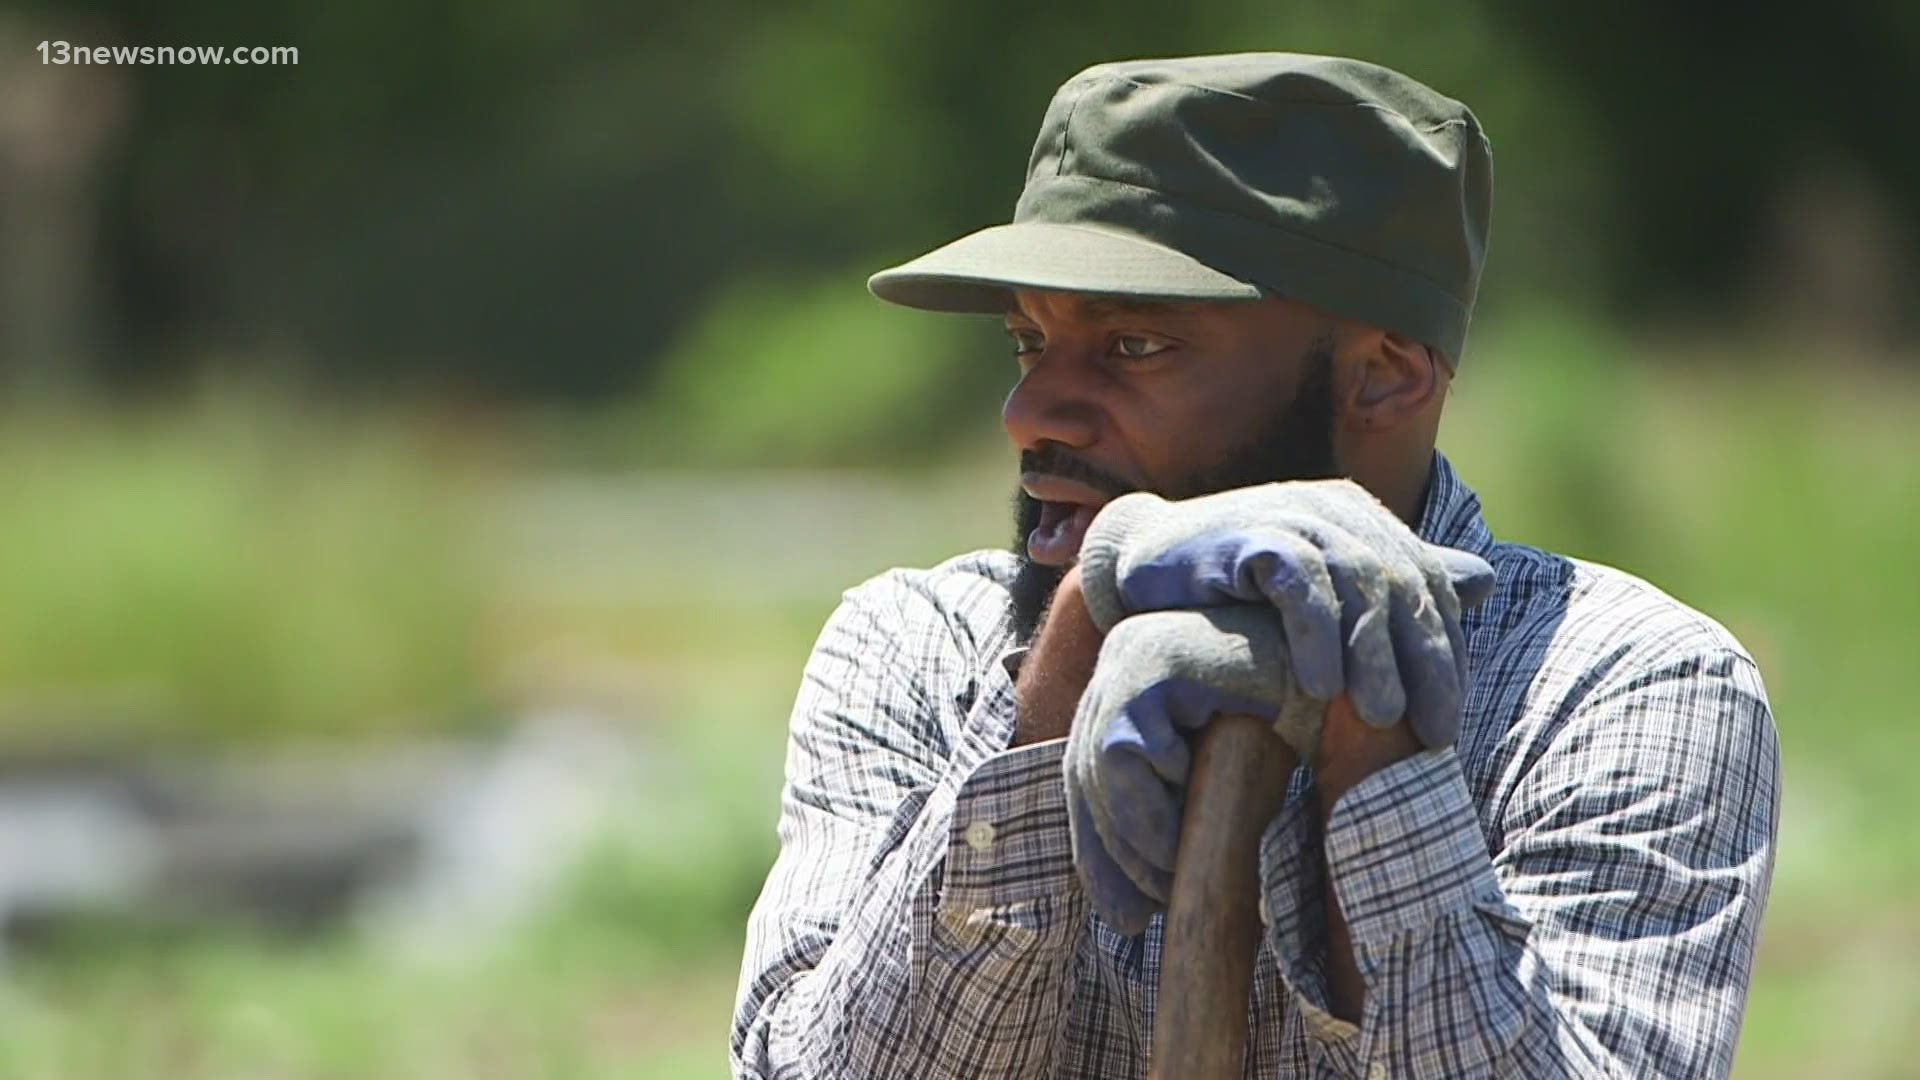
[1533, 839]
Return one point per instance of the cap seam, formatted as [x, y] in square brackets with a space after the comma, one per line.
[1066, 133]
[1417, 125]
[1337, 246]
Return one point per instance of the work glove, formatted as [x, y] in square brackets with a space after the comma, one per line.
[1368, 608]
[1159, 677]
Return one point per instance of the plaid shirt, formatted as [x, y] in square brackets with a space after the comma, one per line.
[1575, 888]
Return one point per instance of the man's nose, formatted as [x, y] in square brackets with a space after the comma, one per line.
[1052, 402]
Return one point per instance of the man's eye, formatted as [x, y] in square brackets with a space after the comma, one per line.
[1025, 342]
[1135, 347]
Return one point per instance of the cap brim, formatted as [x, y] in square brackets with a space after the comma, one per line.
[978, 272]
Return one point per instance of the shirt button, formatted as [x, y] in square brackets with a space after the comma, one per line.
[980, 837]
[1376, 1071]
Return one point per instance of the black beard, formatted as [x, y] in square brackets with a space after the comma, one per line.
[1297, 445]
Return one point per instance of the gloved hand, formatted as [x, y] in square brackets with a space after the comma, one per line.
[1369, 609]
[1160, 676]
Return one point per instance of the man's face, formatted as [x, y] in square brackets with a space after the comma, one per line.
[1180, 400]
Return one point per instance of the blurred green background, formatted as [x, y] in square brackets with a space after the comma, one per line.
[503, 358]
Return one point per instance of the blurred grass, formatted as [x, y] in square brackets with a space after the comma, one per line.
[1779, 496]
[243, 565]
[579, 995]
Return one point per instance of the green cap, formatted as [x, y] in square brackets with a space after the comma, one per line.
[1336, 182]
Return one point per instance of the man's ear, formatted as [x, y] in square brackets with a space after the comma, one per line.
[1396, 378]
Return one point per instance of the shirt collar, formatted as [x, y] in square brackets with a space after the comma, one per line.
[1452, 517]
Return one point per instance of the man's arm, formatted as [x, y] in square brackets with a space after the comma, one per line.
[1612, 934]
[1350, 751]
[1058, 669]
[922, 913]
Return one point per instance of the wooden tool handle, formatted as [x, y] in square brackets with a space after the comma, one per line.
[1237, 785]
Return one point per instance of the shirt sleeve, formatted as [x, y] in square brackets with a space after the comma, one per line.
[1611, 934]
[922, 912]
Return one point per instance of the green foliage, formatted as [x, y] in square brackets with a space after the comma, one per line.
[812, 373]
[1552, 391]
[538, 201]
[240, 567]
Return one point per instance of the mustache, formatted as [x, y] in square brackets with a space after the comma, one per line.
[1052, 459]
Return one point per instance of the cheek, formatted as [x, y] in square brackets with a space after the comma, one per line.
[1188, 423]
[1150, 430]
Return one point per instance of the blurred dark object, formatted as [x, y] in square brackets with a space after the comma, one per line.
[429, 838]
[56, 124]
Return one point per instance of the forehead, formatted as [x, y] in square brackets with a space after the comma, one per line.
[1034, 305]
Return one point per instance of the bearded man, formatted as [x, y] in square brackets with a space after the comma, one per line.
[1533, 828]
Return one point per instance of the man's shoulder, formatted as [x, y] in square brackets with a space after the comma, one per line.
[1608, 601]
[966, 595]
[1592, 624]
[972, 578]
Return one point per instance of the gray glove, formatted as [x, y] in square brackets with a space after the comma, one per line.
[1160, 676]
[1369, 609]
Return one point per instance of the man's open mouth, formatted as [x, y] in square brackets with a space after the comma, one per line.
[1056, 540]
[1067, 508]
